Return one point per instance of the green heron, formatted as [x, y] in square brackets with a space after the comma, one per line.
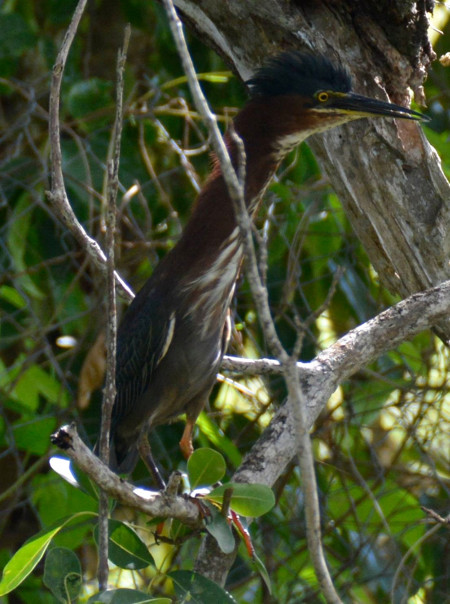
[174, 334]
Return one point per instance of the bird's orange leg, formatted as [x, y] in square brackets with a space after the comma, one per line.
[186, 440]
[187, 449]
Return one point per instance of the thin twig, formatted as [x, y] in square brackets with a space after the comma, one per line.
[296, 398]
[297, 404]
[111, 331]
[58, 194]
[410, 551]
[234, 188]
[445, 521]
[182, 154]
[259, 291]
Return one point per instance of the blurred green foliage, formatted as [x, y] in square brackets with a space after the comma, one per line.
[382, 444]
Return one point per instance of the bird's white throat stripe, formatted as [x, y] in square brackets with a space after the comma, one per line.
[290, 141]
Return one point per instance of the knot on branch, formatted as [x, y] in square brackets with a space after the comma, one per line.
[62, 438]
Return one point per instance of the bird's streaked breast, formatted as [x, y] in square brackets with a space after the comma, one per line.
[211, 291]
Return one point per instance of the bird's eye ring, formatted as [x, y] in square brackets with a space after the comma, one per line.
[322, 97]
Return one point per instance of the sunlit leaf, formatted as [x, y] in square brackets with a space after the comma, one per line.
[29, 555]
[36, 382]
[220, 440]
[12, 296]
[247, 499]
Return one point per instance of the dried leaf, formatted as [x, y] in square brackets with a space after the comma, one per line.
[93, 371]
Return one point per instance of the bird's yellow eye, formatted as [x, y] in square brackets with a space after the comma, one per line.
[322, 97]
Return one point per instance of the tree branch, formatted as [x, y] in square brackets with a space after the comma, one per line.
[153, 503]
[276, 447]
[320, 378]
[111, 331]
[58, 195]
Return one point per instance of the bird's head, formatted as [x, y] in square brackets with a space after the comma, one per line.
[314, 95]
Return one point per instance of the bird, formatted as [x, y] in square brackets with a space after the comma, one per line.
[174, 334]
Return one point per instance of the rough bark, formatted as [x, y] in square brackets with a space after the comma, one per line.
[386, 174]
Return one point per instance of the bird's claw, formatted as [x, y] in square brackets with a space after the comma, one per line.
[203, 508]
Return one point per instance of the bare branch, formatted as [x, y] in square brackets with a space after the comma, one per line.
[152, 503]
[365, 343]
[58, 195]
[111, 331]
[258, 289]
[387, 330]
[305, 455]
[435, 517]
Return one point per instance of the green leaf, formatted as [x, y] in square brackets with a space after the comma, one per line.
[16, 35]
[217, 438]
[25, 559]
[33, 436]
[126, 596]
[12, 296]
[29, 555]
[196, 589]
[62, 574]
[205, 467]
[394, 503]
[219, 528]
[262, 571]
[89, 95]
[248, 499]
[35, 382]
[18, 241]
[54, 499]
[126, 548]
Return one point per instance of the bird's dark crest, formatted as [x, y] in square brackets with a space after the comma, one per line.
[295, 72]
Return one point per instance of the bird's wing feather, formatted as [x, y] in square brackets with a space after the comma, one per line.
[143, 339]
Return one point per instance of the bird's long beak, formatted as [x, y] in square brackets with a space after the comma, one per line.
[363, 106]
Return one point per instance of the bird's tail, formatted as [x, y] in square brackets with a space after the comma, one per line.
[123, 457]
